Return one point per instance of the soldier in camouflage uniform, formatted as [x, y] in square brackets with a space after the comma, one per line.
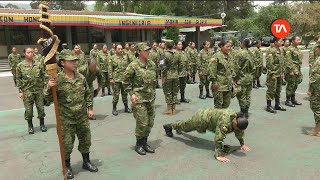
[314, 92]
[186, 50]
[140, 82]
[30, 81]
[170, 78]
[14, 59]
[192, 55]
[258, 61]
[312, 55]
[94, 52]
[182, 70]
[219, 121]
[126, 48]
[204, 55]
[293, 75]
[113, 50]
[245, 70]
[103, 66]
[65, 50]
[75, 105]
[221, 75]
[130, 55]
[37, 57]
[117, 65]
[275, 69]
[154, 56]
[91, 73]
[81, 56]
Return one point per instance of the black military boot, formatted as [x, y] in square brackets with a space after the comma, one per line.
[158, 85]
[139, 147]
[42, 126]
[103, 93]
[208, 95]
[201, 96]
[194, 79]
[146, 146]
[126, 108]
[168, 129]
[269, 107]
[183, 99]
[288, 102]
[87, 164]
[254, 85]
[109, 91]
[294, 101]
[69, 172]
[278, 106]
[243, 110]
[30, 127]
[258, 83]
[114, 109]
[246, 114]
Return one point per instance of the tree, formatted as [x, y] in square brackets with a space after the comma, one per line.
[11, 6]
[1, 6]
[99, 5]
[172, 33]
[60, 5]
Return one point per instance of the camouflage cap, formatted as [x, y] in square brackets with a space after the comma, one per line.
[142, 46]
[168, 42]
[67, 57]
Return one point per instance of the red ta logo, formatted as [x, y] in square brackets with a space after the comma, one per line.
[280, 28]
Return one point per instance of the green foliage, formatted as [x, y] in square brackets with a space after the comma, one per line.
[60, 5]
[172, 33]
[12, 6]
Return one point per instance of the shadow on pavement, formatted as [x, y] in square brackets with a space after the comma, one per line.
[305, 129]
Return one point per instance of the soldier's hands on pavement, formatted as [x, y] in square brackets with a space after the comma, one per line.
[90, 113]
[274, 78]
[215, 86]
[309, 93]
[112, 81]
[291, 74]
[21, 95]
[223, 159]
[245, 148]
[133, 99]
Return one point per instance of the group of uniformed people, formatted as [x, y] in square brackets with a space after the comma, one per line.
[135, 70]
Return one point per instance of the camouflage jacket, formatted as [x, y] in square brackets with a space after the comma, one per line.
[172, 64]
[154, 56]
[140, 80]
[312, 56]
[90, 77]
[314, 81]
[14, 60]
[293, 60]
[187, 49]
[219, 121]
[275, 62]
[257, 56]
[30, 78]
[103, 61]
[117, 65]
[82, 60]
[204, 57]
[129, 56]
[244, 67]
[74, 97]
[183, 63]
[112, 52]
[220, 71]
[192, 55]
[94, 53]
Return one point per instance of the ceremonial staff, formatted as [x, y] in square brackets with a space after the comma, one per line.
[50, 43]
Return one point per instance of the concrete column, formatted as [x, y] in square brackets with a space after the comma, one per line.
[198, 38]
[69, 37]
[143, 37]
[108, 37]
[7, 35]
[89, 38]
[149, 36]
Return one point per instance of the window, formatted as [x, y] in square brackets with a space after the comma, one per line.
[19, 35]
[116, 35]
[133, 35]
[97, 35]
[2, 36]
[82, 35]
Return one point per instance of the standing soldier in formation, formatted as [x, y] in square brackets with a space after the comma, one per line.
[192, 55]
[221, 75]
[312, 55]
[154, 56]
[79, 55]
[65, 50]
[37, 55]
[126, 48]
[30, 81]
[91, 72]
[204, 56]
[14, 59]
[170, 78]
[314, 92]
[188, 47]
[286, 45]
[117, 65]
[131, 53]
[140, 81]
[113, 50]
[245, 71]
[182, 70]
[293, 75]
[258, 60]
[275, 69]
[219, 121]
[75, 106]
[94, 52]
[103, 66]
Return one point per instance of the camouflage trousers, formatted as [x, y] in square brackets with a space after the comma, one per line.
[315, 107]
[222, 99]
[193, 70]
[182, 84]
[144, 115]
[258, 72]
[105, 82]
[30, 98]
[13, 71]
[244, 95]
[204, 81]
[81, 129]
[170, 90]
[196, 123]
[117, 87]
[292, 84]
[274, 87]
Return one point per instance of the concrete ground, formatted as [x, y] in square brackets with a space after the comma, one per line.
[280, 148]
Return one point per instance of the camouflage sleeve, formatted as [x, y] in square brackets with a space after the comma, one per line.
[164, 69]
[270, 63]
[314, 77]
[19, 78]
[288, 62]
[99, 78]
[10, 61]
[311, 56]
[48, 99]
[199, 62]
[212, 69]
[128, 78]
[110, 69]
[239, 135]
[219, 137]
[88, 95]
